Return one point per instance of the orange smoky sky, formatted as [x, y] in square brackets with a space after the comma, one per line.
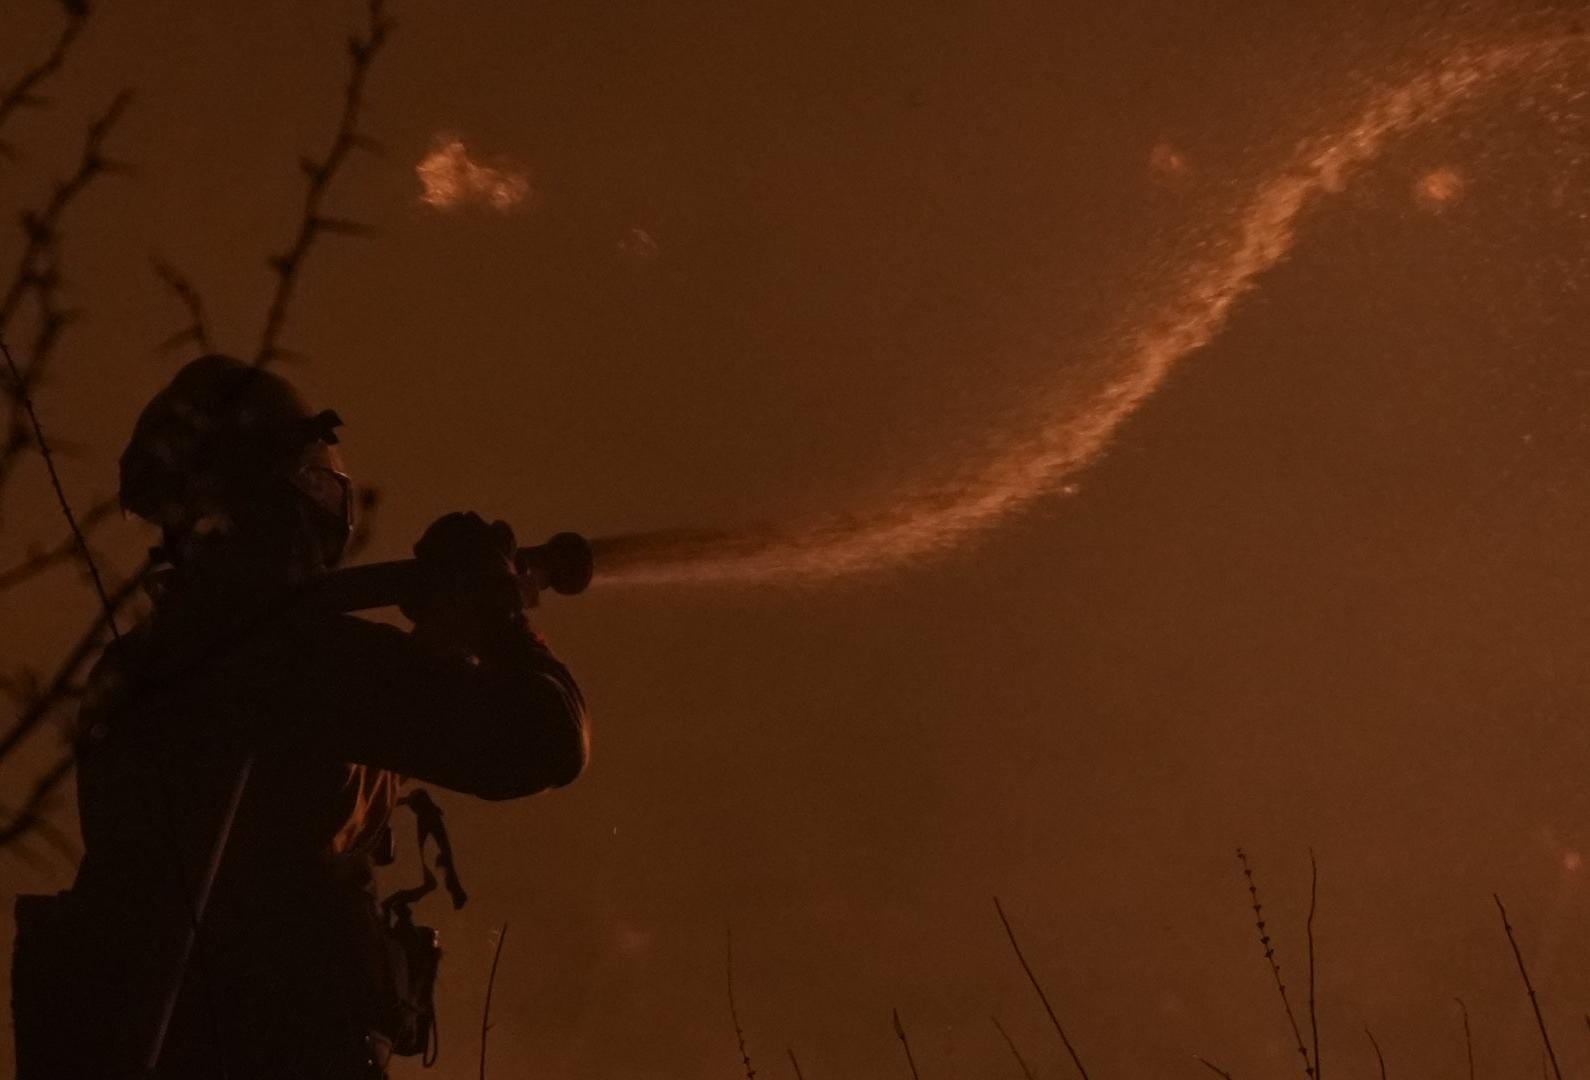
[915, 271]
[450, 179]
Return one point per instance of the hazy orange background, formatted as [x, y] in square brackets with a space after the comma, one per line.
[1328, 590]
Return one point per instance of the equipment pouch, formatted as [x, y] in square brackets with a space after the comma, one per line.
[413, 955]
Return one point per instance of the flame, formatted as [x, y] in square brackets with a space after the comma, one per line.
[1035, 461]
[450, 179]
[1167, 163]
[1439, 188]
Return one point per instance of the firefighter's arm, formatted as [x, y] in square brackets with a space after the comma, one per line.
[472, 700]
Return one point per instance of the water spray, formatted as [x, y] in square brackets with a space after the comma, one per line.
[1077, 416]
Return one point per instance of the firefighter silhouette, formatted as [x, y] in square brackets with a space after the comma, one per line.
[239, 759]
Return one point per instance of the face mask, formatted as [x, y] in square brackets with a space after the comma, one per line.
[319, 478]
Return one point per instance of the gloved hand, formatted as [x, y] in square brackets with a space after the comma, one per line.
[468, 587]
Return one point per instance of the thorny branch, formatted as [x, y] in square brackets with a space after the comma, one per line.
[491, 984]
[734, 1009]
[36, 270]
[319, 174]
[905, 1042]
[24, 92]
[197, 332]
[1212, 1067]
[1529, 987]
[37, 275]
[60, 491]
[1380, 1058]
[1032, 977]
[41, 559]
[1468, 1036]
[1268, 944]
[1026, 1070]
[64, 686]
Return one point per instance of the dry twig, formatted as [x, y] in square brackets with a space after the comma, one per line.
[1275, 966]
[899, 1033]
[1212, 1067]
[21, 390]
[197, 332]
[1313, 904]
[36, 273]
[40, 560]
[734, 1009]
[491, 984]
[63, 687]
[1043, 997]
[1534, 1002]
[1468, 1036]
[1379, 1057]
[313, 223]
[24, 92]
[1021, 1061]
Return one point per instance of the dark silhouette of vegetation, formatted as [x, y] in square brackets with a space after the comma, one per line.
[1268, 945]
[39, 700]
[1380, 1058]
[734, 1008]
[1026, 1071]
[1043, 997]
[1529, 987]
[905, 1044]
[491, 984]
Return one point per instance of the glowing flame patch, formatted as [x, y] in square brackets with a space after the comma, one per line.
[638, 245]
[1167, 163]
[450, 179]
[1439, 188]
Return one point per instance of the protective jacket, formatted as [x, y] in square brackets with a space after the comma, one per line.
[288, 975]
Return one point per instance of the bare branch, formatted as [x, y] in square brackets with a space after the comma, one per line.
[1534, 1002]
[1468, 1036]
[1313, 904]
[1275, 965]
[197, 332]
[734, 1009]
[319, 174]
[29, 817]
[491, 984]
[24, 92]
[37, 275]
[1212, 1067]
[899, 1033]
[21, 391]
[69, 674]
[42, 560]
[40, 227]
[1043, 997]
[1026, 1071]
[1379, 1057]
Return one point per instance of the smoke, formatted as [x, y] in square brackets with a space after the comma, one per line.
[1078, 421]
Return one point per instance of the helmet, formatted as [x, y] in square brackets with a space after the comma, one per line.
[228, 447]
